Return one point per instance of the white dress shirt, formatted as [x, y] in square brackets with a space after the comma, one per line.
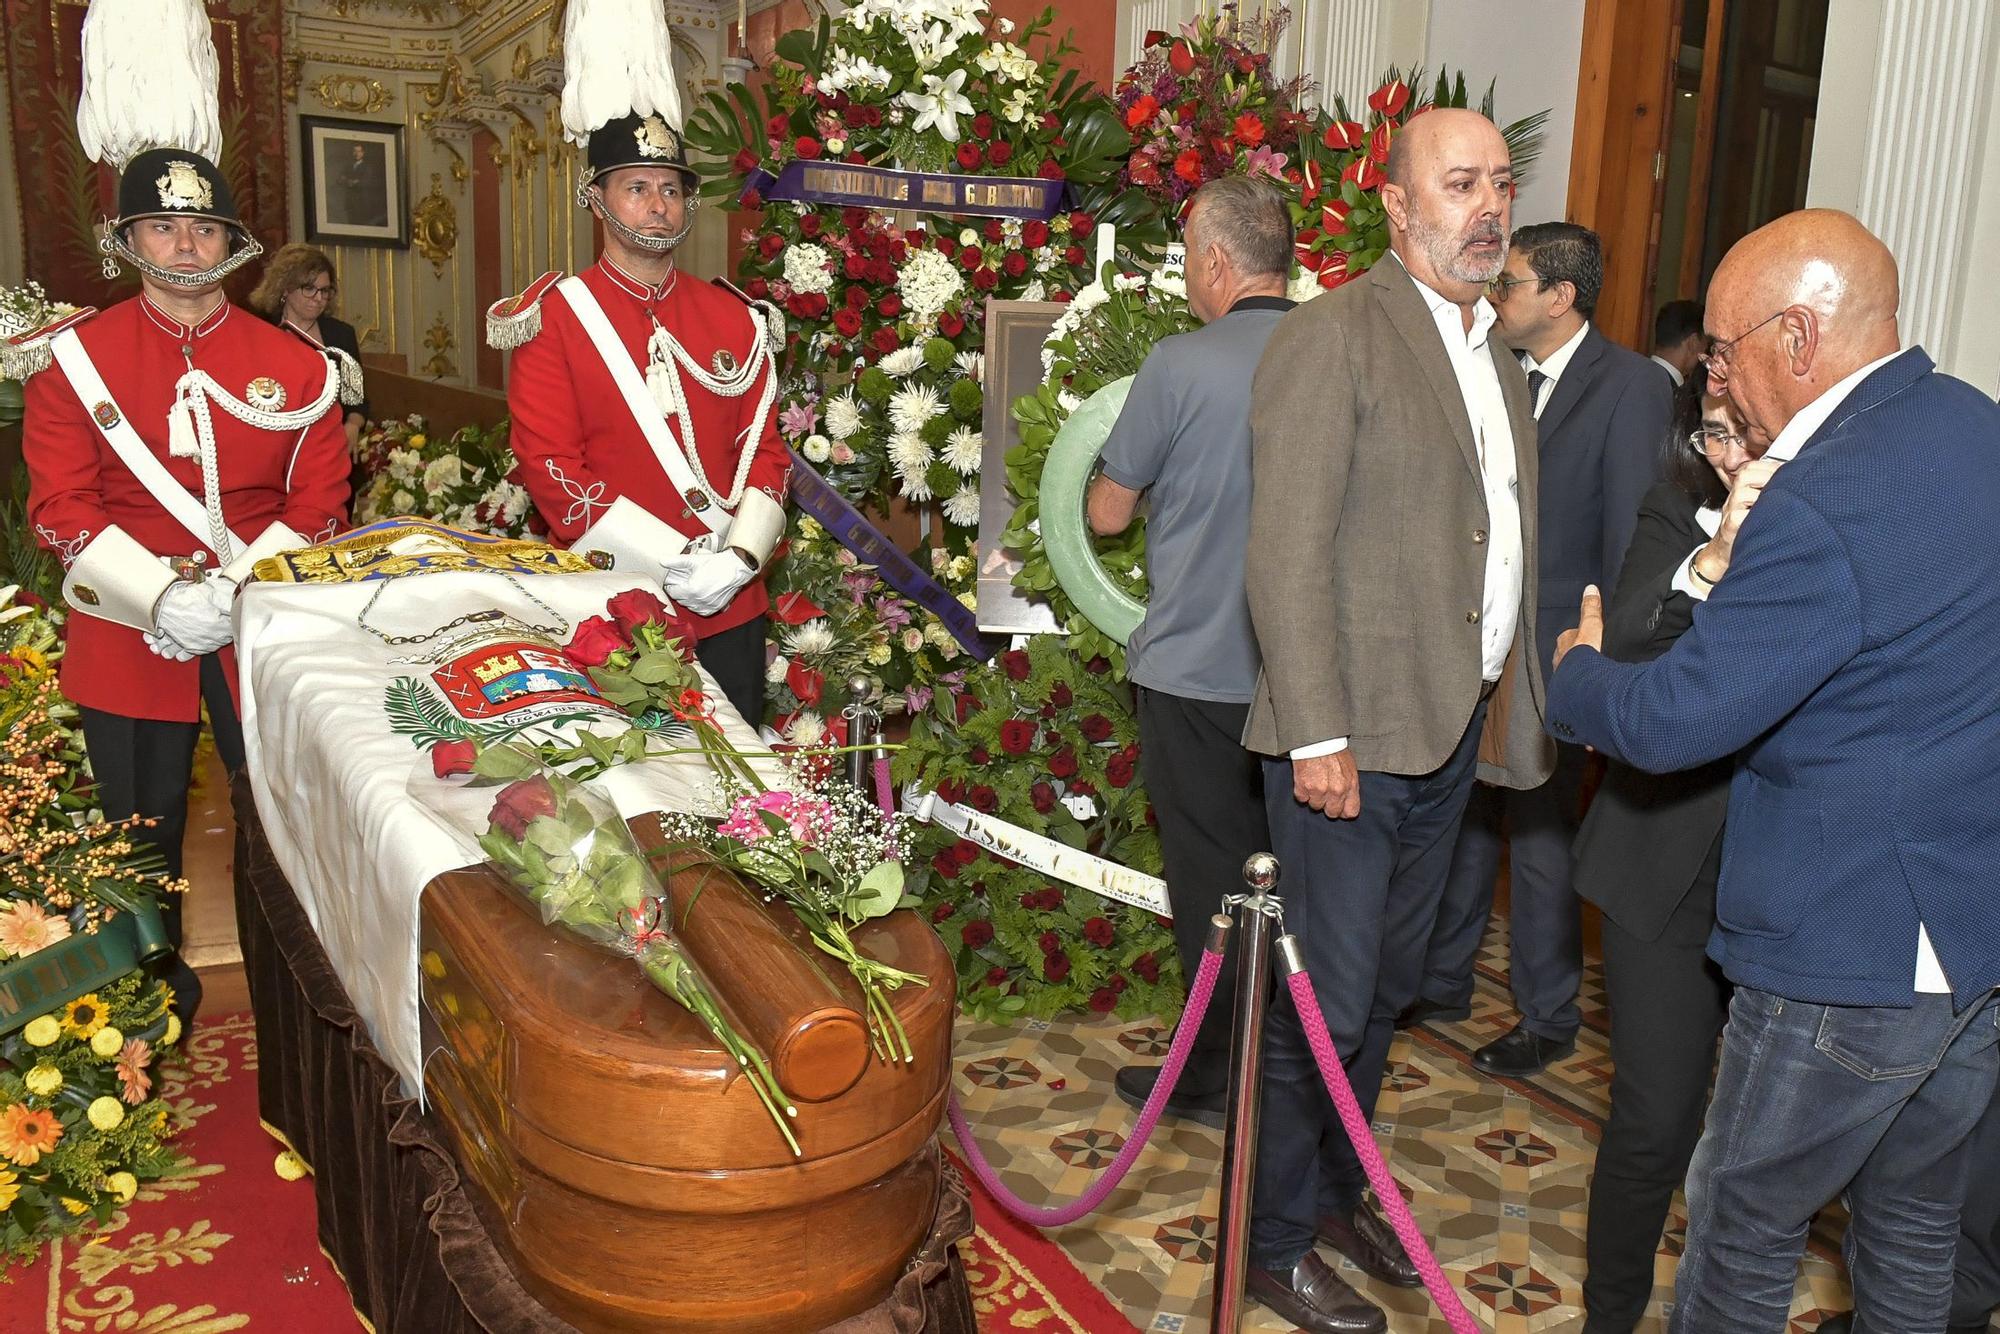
[1801, 428]
[1553, 368]
[1486, 408]
[1670, 368]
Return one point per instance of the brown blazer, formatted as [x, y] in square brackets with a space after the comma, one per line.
[1367, 562]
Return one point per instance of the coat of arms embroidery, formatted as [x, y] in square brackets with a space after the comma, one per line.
[183, 187]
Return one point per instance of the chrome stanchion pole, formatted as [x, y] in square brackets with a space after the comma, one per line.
[1246, 1067]
[864, 725]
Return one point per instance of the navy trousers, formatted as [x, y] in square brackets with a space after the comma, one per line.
[1361, 895]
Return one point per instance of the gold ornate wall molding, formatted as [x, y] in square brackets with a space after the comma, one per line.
[352, 92]
[434, 226]
[440, 341]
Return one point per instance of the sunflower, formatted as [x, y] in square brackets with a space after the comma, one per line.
[10, 1187]
[25, 1136]
[83, 1016]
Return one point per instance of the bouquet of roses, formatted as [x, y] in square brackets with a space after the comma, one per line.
[835, 859]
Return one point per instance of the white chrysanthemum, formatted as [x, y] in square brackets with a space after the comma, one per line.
[843, 416]
[402, 503]
[963, 450]
[913, 405]
[512, 500]
[908, 452]
[443, 474]
[806, 267]
[972, 365]
[928, 283]
[1171, 282]
[775, 670]
[807, 729]
[901, 362]
[963, 507]
[815, 636]
[917, 486]
[1067, 401]
[816, 448]
[1304, 285]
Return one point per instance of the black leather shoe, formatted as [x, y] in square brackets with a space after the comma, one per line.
[1432, 1012]
[1838, 1324]
[1367, 1239]
[1315, 1298]
[1135, 1085]
[1517, 1053]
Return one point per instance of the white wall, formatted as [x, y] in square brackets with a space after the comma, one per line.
[1532, 50]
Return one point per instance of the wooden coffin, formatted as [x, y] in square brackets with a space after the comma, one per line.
[634, 1180]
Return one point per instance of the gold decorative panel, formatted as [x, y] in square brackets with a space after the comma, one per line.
[351, 92]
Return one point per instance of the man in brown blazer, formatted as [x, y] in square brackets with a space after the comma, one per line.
[1391, 574]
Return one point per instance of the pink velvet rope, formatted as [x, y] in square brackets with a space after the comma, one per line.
[1149, 1116]
[885, 793]
[1363, 1140]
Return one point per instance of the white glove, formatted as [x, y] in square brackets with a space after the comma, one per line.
[705, 581]
[166, 646]
[187, 615]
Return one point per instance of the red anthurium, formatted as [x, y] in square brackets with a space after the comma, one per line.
[1333, 218]
[1181, 57]
[1365, 173]
[1333, 272]
[1378, 141]
[1390, 98]
[1344, 134]
[1309, 179]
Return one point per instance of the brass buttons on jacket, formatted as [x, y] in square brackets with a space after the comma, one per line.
[1472, 618]
[1479, 537]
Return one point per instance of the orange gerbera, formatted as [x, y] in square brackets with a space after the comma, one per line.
[25, 1136]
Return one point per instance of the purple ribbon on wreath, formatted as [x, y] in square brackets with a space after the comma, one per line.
[816, 497]
[847, 184]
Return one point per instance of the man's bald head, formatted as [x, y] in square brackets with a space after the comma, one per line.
[1828, 288]
[1449, 200]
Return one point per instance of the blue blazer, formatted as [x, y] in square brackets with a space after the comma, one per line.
[1852, 657]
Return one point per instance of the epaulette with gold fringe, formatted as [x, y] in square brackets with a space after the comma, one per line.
[512, 321]
[27, 353]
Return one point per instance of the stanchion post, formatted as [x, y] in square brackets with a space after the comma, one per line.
[864, 723]
[1246, 1067]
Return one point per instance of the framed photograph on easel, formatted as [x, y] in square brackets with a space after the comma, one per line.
[354, 175]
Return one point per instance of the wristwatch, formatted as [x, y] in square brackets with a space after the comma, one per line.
[1694, 569]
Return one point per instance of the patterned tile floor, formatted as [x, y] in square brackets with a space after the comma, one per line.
[1498, 1171]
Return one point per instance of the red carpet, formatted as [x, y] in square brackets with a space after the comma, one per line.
[230, 1245]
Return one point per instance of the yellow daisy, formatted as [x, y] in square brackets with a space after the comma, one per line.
[10, 1188]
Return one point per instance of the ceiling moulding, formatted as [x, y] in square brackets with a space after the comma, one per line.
[412, 14]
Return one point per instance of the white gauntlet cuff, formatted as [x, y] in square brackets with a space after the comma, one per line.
[758, 525]
[276, 537]
[634, 539]
[117, 580]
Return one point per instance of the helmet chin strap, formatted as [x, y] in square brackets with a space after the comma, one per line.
[114, 249]
[659, 245]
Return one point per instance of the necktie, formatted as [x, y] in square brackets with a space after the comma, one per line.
[1535, 382]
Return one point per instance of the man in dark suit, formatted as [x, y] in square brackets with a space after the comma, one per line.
[1391, 575]
[1600, 412]
[1851, 657]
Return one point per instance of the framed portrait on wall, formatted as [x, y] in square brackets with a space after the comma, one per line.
[353, 175]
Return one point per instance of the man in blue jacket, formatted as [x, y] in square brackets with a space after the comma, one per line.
[1851, 656]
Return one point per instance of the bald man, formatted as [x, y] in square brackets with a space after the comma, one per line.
[1850, 656]
[1391, 577]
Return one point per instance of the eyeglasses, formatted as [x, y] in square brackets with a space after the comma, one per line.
[1713, 442]
[1716, 361]
[1501, 287]
[313, 289]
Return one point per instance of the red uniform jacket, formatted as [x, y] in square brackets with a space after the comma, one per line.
[78, 487]
[580, 448]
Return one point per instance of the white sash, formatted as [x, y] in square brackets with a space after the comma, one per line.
[639, 401]
[143, 464]
[1037, 852]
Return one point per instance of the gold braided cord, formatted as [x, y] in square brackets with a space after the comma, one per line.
[367, 555]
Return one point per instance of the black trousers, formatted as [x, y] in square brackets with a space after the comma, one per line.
[1208, 795]
[735, 658]
[143, 767]
[1668, 1004]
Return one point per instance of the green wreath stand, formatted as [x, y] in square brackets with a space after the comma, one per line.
[1065, 528]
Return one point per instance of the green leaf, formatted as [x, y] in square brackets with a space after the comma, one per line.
[506, 763]
[880, 891]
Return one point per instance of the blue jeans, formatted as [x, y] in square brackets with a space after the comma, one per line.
[1815, 1100]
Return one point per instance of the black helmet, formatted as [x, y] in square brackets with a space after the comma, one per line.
[636, 141]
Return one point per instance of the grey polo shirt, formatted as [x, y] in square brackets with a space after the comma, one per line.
[1184, 437]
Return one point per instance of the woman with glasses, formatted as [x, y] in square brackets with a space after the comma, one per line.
[1648, 855]
[297, 293]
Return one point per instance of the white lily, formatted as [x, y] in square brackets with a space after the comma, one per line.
[941, 103]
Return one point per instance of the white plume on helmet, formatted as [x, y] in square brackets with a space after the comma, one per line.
[617, 61]
[149, 81]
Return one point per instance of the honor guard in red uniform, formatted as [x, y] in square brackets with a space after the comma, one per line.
[171, 442]
[642, 399]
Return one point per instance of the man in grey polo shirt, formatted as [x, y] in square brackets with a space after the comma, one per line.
[1183, 439]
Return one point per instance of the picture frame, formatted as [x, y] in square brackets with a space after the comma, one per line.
[355, 182]
[1015, 331]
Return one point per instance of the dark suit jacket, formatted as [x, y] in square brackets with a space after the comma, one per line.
[1367, 560]
[1644, 842]
[337, 333]
[1852, 655]
[1600, 451]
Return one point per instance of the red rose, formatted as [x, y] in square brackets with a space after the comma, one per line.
[1015, 264]
[1050, 170]
[1081, 223]
[945, 866]
[971, 258]
[450, 758]
[1034, 234]
[884, 341]
[804, 682]
[520, 804]
[1063, 763]
[758, 288]
[855, 267]
[1049, 941]
[1043, 796]
[810, 224]
[993, 231]
[1249, 130]
[1188, 166]
[854, 219]
[1051, 121]
[977, 933]
[594, 641]
[1147, 967]
[847, 321]
[996, 975]
[770, 245]
[950, 790]
[983, 798]
[982, 126]
[965, 706]
[951, 324]
[1098, 666]
[881, 272]
[1343, 135]
[942, 911]
[965, 852]
[1079, 788]
[1075, 256]
[1103, 1000]
[1098, 932]
[806, 146]
[1378, 141]
[1118, 772]
[744, 162]
[1095, 727]
[946, 243]
[1181, 56]
[980, 755]
[856, 297]
[753, 199]
[1016, 664]
[1000, 154]
[636, 607]
[1390, 98]
[1017, 737]
[889, 307]
[866, 117]
[1056, 967]
[1118, 983]
[985, 280]
[969, 157]
[1141, 111]
[1060, 696]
